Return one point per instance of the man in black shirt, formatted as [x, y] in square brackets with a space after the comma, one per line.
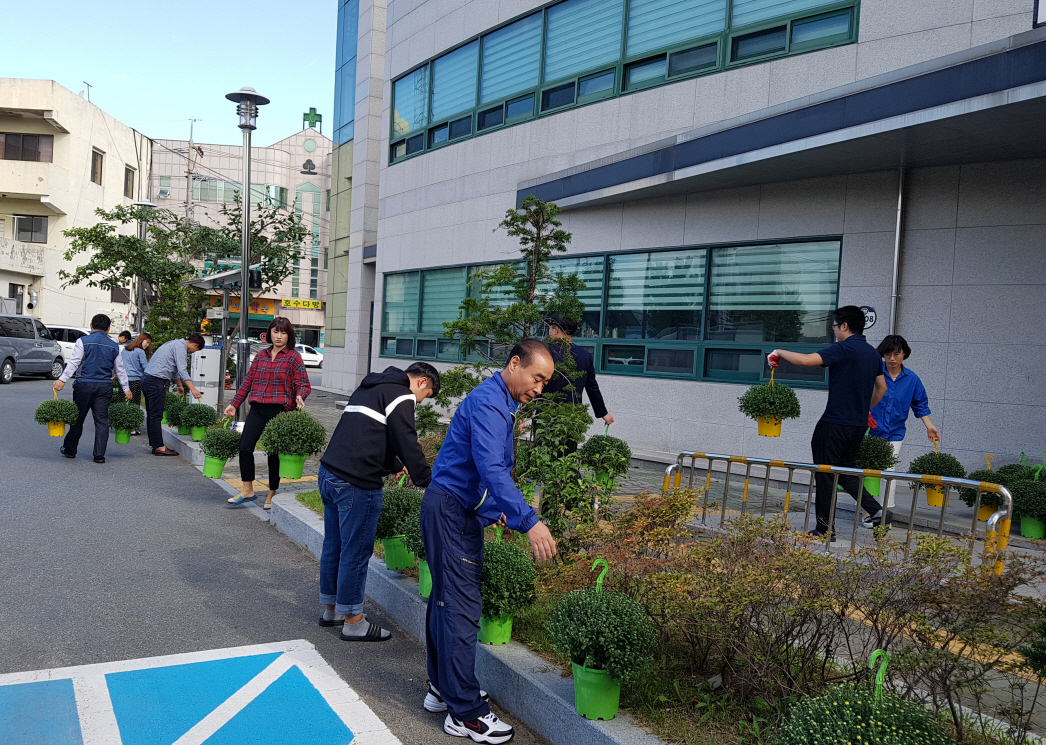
[562, 328]
[855, 385]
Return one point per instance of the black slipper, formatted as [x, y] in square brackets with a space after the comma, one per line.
[373, 635]
[327, 624]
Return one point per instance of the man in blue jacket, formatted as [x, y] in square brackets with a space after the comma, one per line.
[471, 488]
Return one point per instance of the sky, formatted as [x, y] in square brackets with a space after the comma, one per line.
[154, 64]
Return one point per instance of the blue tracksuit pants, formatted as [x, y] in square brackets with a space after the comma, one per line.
[453, 539]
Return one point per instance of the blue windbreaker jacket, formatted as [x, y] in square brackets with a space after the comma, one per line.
[476, 459]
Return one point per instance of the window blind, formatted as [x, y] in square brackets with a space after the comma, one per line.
[655, 24]
[409, 96]
[589, 269]
[454, 81]
[582, 34]
[500, 296]
[670, 280]
[400, 304]
[441, 296]
[511, 59]
[754, 11]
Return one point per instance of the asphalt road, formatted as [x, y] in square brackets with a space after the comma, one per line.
[140, 557]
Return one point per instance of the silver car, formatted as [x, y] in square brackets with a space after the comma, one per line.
[27, 348]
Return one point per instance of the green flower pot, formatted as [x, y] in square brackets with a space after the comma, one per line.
[123, 436]
[163, 419]
[1032, 527]
[872, 485]
[424, 579]
[495, 631]
[291, 465]
[184, 430]
[596, 694]
[396, 554]
[198, 433]
[213, 467]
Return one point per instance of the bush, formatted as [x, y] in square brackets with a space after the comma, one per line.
[876, 453]
[1029, 499]
[411, 529]
[1017, 472]
[988, 499]
[174, 405]
[198, 415]
[844, 714]
[57, 410]
[606, 454]
[776, 402]
[221, 443]
[125, 415]
[603, 630]
[294, 433]
[937, 464]
[507, 583]
[398, 506]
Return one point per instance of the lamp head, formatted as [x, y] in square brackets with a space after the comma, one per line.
[247, 102]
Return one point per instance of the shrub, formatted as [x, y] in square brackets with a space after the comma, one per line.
[776, 402]
[125, 415]
[411, 529]
[988, 499]
[294, 433]
[1017, 472]
[57, 410]
[876, 453]
[846, 714]
[937, 464]
[221, 443]
[174, 405]
[1029, 499]
[398, 506]
[606, 454]
[603, 630]
[198, 415]
[507, 582]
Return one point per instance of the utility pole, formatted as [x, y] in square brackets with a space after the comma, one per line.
[191, 168]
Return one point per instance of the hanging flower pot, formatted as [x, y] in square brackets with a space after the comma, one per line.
[495, 631]
[507, 585]
[213, 467]
[294, 436]
[1029, 504]
[768, 427]
[56, 414]
[123, 436]
[396, 554]
[197, 433]
[937, 464]
[291, 466]
[184, 429]
[985, 512]
[56, 429]
[769, 404]
[989, 501]
[596, 694]
[935, 495]
[197, 417]
[424, 579]
[1032, 527]
[219, 444]
[163, 419]
[125, 417]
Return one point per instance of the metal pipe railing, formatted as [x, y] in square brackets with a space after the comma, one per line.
[997, 531]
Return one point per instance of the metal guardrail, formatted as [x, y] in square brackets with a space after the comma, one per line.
[996, 536]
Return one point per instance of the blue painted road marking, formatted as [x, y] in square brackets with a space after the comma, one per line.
[268, 694]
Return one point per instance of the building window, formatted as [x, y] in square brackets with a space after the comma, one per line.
[128, 183]
[16, 293]
[39, 148]
[96, 166]
[30, 229]
[708, 313]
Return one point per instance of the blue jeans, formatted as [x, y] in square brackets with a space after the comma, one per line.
[350, 522]
[91, 398]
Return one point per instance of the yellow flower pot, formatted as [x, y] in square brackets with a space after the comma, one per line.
[985, 512]
[935, 496]
[769, 427]
[56, 429]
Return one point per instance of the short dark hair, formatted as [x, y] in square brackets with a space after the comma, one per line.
[101, 322]
[565, 325]
[125, 333]
[852, 316]
[196, 339]
[282, 324]
[527, 350]
[894, 343]
[425, 370]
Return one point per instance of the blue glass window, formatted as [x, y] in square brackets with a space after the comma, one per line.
[582, 34]
[410, 94]
[401, 303]
[655, 24]
[454, 82]
[754, 11]
[511, 59]
[441, 295]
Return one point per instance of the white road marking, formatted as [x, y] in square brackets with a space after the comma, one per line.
[97, 721]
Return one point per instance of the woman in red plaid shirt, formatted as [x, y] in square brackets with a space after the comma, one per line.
[276, 382]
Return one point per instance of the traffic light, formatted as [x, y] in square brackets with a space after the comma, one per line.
[254, 279]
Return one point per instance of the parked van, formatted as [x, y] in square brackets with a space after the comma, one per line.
[27, 348]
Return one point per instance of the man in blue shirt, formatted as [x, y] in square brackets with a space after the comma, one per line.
[168, 363]
[97, 357]
[855, 385]
[472, 487]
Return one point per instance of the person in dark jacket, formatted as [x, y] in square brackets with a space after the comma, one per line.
[563, 329]
[374, 438]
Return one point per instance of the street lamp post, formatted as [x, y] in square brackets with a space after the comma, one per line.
[247, 102]
[139, 292]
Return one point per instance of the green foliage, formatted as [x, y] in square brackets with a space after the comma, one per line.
[989, 499]
[426, 420]
[294, 433]
[1029, 499]
[877, 453]
[221, 443]
[57, 410]
[311, 499]
[507, 582]
[125, 415]
[937, 464]
[846, 714]
[410, 528]
[176, 313]
[603, 630]
[1034, 651]
[776, 401]
[198, 415]
[399, 506]
[606, 454]
[174, 405]
[1015, 472]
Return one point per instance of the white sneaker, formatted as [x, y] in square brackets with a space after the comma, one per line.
[485, 729]
[435, 703]
[872, 521]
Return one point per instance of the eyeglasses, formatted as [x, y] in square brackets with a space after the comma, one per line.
[837, 326]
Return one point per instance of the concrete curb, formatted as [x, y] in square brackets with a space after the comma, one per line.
[526, 685]
[191, 450]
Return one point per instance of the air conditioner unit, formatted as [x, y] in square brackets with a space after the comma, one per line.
[163, 193]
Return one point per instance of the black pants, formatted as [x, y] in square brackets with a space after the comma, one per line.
[258, 417]
[136, 391]
[155, 391]
[94, 398]
[837, 445]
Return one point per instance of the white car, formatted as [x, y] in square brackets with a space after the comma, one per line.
[66, 337]
[310, 356]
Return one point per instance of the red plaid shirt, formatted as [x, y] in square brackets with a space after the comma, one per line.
[275, 381]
